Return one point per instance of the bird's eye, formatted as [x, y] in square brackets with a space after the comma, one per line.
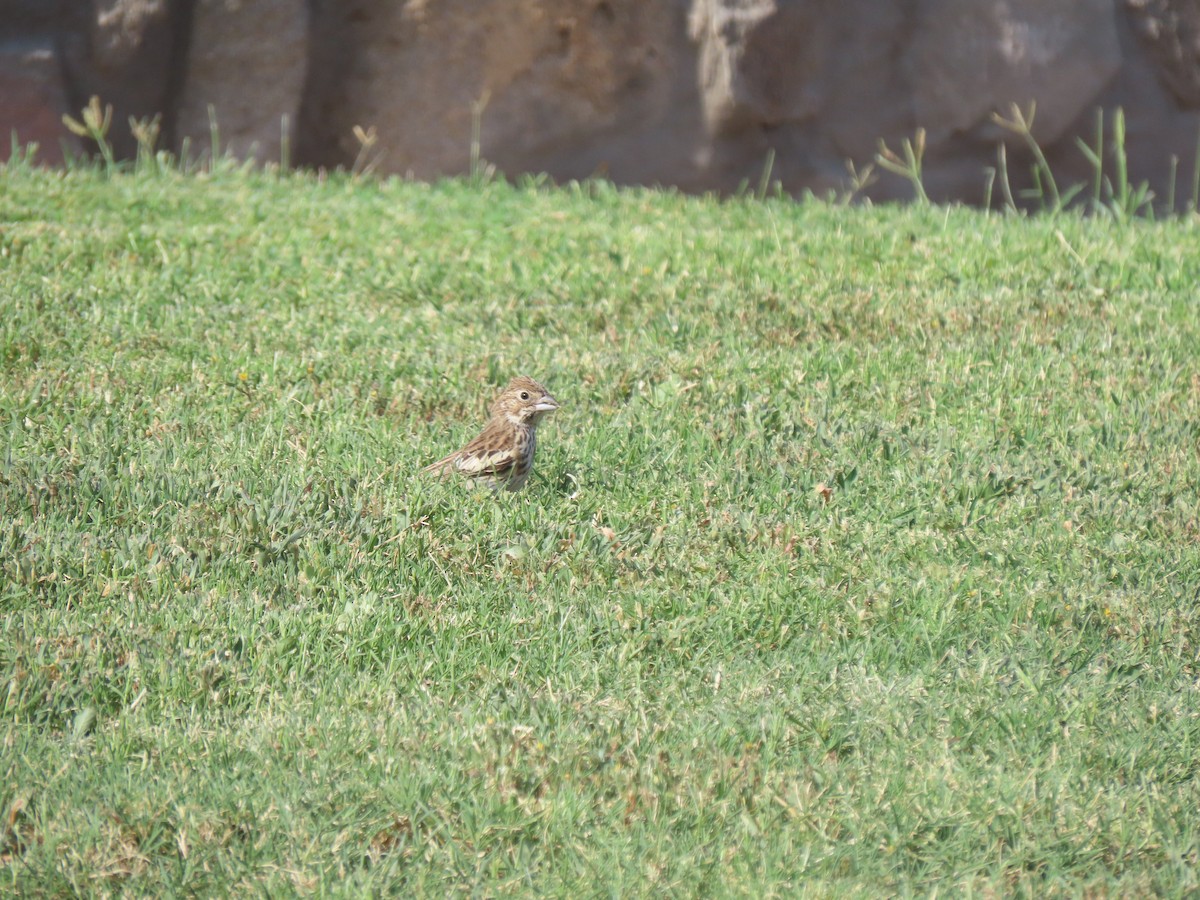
[524, 395]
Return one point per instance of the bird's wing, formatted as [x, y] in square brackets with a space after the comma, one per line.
[492, 454]
[480, 458]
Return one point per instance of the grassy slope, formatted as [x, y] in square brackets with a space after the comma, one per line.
[863, 554]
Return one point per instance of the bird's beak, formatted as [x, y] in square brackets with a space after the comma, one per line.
[546, 404]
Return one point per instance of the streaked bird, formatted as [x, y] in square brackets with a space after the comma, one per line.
[502, 455]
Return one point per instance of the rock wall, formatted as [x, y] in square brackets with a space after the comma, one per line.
[691, 93]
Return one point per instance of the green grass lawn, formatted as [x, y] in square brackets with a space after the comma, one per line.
[863, 556]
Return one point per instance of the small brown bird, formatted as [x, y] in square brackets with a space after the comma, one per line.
[502, 455]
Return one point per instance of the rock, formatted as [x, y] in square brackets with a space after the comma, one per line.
[1158, 127]
[699, 94]
[1170, 29]
[798, 84]
[562, 85]
[970, 58]
[32, 101]
[128, 53]
[236, 43]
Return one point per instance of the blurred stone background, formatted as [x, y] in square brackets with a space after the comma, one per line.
[690, 93]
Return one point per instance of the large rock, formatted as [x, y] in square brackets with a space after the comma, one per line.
[552, 80]
[701, 94]
[236, 43]
[1171, 32]
[821, 84]
[32, 100]
[969, 58]
[32, 96]
[128, 53]
[806, 83]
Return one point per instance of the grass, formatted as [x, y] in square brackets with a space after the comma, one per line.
[862, 558]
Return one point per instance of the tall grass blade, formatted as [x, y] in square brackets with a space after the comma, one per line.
[285, 144]
[1005, 186]
[214, 138]
[1194, 201]
[1171, 185]
[1122, 184]
[764, 180]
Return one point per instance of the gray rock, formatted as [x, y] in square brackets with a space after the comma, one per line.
[698, 94]
[248, 60]
[127, 53]
[32, 101]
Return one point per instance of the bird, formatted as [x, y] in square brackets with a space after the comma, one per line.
[501, 456]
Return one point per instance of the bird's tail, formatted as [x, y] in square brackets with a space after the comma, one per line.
[442, 467]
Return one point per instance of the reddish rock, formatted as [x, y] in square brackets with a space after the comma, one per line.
[126, 52]
[32, 102]
[568, 87]
[248, 61]
[700, 94]
[1170, 30]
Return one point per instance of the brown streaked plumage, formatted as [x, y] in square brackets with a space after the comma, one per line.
[502, 455]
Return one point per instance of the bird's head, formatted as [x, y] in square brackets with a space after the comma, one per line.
[524, 402]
